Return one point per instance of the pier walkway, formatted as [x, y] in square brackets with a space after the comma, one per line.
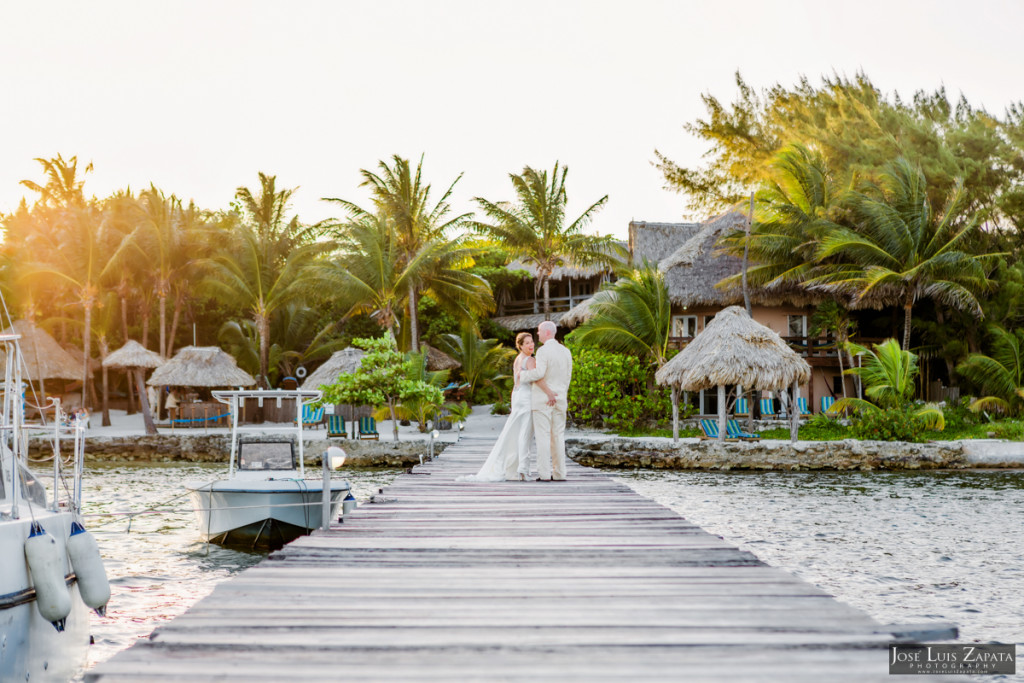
[583, 580]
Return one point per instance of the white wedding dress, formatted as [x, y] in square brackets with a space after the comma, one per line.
[510, 456]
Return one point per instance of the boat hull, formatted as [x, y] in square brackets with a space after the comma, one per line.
[30, 647]
[261, 514]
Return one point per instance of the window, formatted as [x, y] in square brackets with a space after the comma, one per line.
[797, 326]
[837, 385]
[684, 326]
[707, 319]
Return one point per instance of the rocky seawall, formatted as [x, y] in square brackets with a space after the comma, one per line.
[850, 454]
[217, 448]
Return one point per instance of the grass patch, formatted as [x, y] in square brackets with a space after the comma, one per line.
[826, 429]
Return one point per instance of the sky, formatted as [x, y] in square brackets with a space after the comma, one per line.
[197, 97]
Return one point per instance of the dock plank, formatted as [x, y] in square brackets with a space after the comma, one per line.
[439, 580]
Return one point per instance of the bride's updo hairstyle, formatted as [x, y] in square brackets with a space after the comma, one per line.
[522, 337]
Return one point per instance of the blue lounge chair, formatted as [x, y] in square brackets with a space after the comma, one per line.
[741, 407]
[710, 428]
[826, 403]
[733, 431]
[336, 426]
[801, 404]
[368, 428]
[768, 408]
[312, 417]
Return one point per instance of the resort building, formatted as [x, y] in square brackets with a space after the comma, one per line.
[693, 264]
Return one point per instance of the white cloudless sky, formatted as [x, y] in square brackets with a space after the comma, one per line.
[197, 97]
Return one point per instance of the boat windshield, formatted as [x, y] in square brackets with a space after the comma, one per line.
[266, 455]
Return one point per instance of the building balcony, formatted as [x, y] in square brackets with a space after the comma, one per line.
[559, 304]
[818, 351]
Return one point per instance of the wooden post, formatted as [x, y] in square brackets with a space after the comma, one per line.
[794, 412]
[675, 414]
[746, 252]
[722, 407]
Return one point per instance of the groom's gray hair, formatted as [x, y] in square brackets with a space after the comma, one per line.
[549, 326]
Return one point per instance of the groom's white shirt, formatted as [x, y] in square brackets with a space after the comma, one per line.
[554, 366]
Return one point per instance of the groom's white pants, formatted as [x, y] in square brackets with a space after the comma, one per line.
[549, 428]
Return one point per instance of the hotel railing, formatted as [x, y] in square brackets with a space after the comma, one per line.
[559, 304]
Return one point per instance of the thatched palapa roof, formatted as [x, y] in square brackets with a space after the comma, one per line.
[79, 356]
[44, 358]
[734, 349]
[690, 257]
[526, 321]
[578, 314]
[439, 360]
[341, 362]
[201, 366]
[134, 355]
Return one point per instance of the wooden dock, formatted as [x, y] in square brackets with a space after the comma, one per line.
[583, 580]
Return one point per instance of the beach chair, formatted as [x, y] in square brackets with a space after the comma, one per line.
[336, 426]
[710, 429]
[733, 431]
[368, 428]
[801, 406]
[826, 403]
[312, 417]
[768, 408]
[741, 409]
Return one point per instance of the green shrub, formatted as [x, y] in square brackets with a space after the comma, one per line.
[890, 424]
[501, 408]
[611, 390]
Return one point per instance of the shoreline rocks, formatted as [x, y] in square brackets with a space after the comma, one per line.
[849, 454]
[216, 448]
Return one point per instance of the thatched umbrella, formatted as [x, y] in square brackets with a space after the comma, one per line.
[42, 355]
[439, 360]
[133, 357]
[201, 366]
[341, 362]
[734, 349]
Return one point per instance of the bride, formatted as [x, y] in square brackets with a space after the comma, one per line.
[510, 457]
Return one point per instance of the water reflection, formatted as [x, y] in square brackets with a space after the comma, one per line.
[157, 566]
[906, 547]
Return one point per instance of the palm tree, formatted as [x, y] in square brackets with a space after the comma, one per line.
[794, 211]
[243, 280]
[899, 250]
[270, 265]
[369, 275]
[76, 263]
[1001, 374]
[632, 316]
[534, 228]
[63, 188]
[483, 361]
[163, 242]
[374, 275]
[888, 373]
[400, 194]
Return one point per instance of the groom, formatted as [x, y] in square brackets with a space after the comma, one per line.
[554, 366]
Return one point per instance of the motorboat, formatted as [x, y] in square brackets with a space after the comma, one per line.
[51, 573]
[266, 500]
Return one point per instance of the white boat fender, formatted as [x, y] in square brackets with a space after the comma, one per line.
[348, 504]
[93, 585]
[46, 564]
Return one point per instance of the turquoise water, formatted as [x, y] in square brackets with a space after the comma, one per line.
[157, 565]
[904, 547]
